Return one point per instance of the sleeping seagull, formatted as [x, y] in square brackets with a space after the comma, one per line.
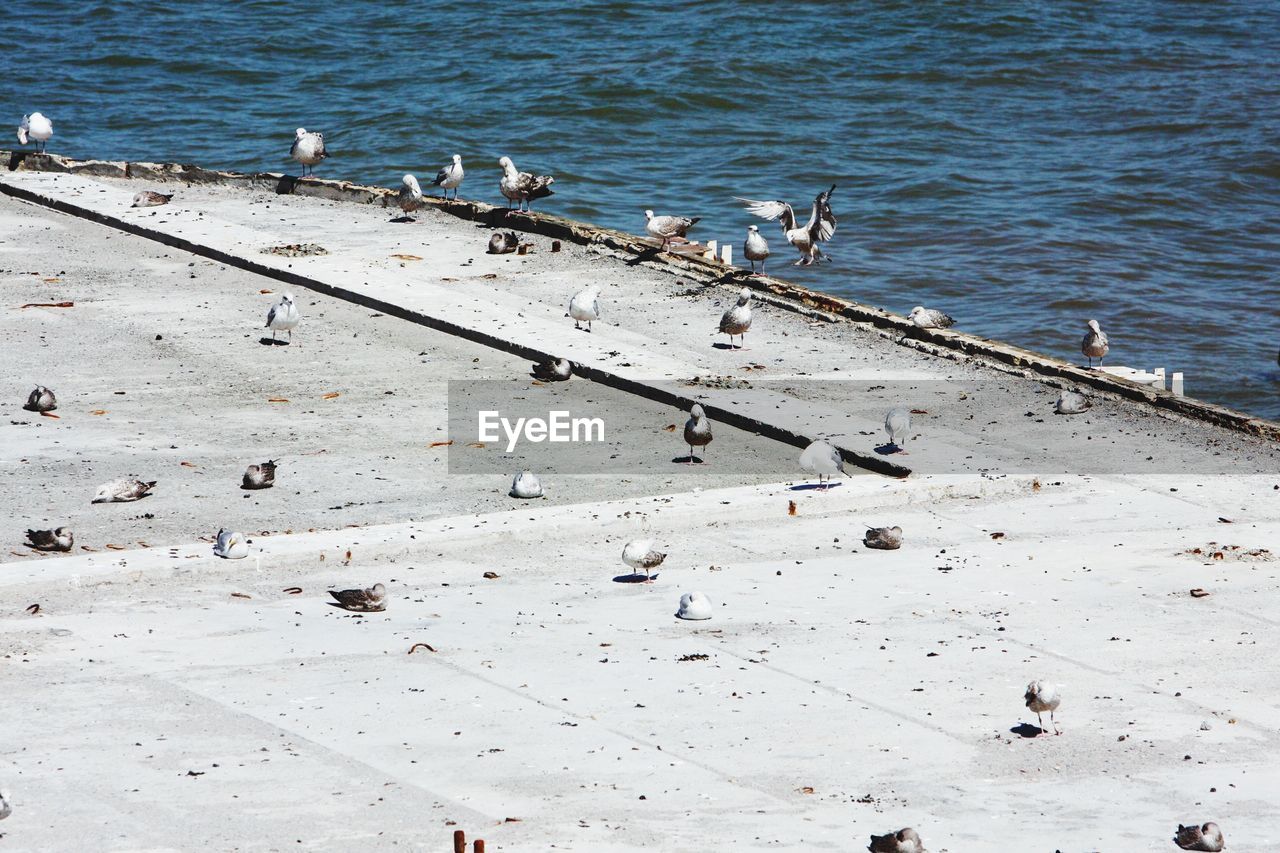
[231, 545]
[503, 243]
[526, 485]
[522, 187]
[929, 318]
[823, 459]
[41, 399]
[1071, 403]
[584, 307]
[1204, 837]
[59, 539]
[1095, 343]
[640, 554]
[283, 317]
[308, 149]
[450, 177]
[409, 198]
[819, 229]
[149, 198]
[371, 600]
[737, 319]
[756, 248]
[905, 840]
[697, 431]
[897, 424]
[1042, 696]
[37, 128]
[668, 228]
[553, 370]
[259, 476]
[883, 538]
[123, 491]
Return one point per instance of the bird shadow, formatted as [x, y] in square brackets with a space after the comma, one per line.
[889, 449]
[723, 345]
[286, 184]
[1027, 730]
[814, 487]
[646, 255]
[272, 342]
[404, 219]
[633, 577]
[686, 460]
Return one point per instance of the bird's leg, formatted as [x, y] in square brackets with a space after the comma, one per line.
[1056, 730]
[1039, 722]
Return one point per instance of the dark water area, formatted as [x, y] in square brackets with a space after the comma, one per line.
[1024, 167]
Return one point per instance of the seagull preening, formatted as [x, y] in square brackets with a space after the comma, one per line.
[823, 459]
[308, 149]
[1071, 403]
[694, 606]
[526, 485]
[371, 600]
[41, 399]
[1207, 836]
[259, 476]
[553, 370]
[584, 307]
[756, 248]
[123, 491]
[1043, 696]
[1095, 343]
[668, 228]
[503, 243]
[231, 545]
[640, 554]
[522, 187]
[883, 538]
[897, 424]
[409, 198]
[37, 128]
[930, 318]
[905, 840]
[149, 198]
[737, 319]
[697, 431]
[450, 177]
[59, 539]
[820, 228]
[283, 317]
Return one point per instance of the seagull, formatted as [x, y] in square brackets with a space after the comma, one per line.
[584, 307]
[38, 128]
[1204, 837]
[308, 149]
[905, 840]
[450, 177]
[123, 491]
[929, 318]
[5, 808]
[231, 545]
[553, 370]
[737, 319]
[371, 600]
[883, 538]
[522, 187]
[823, 459]
[639, 554]
[41, 400]
[526, 485]
[694, 606]
[503, 243]
[1071, 403]
[260, 476]
[897, 424]
[59, 539]
[697, 430]
[668, 228]
[147, 198]
[409, 198]
[283, 316]
[819, 229]
[756, 248]
[1095, 343]
[1042, 696]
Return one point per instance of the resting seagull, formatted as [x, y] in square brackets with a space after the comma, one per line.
[123, 491]
[371, 600]
[231, 545]
[308, 149]
[283, 317]
[905, 840]
[584, 307]
[737, 319]
[819, 229]
[522, 187]
[756, 248]
[259, 476]
[823, 459]
[640, 554]
[409, 198]
[151, 198]
[37, 128]
[553, 370]
[41, 399]
[59, 539]
[450, 177]
[1204, 837]
[668, 228]
[930, 318]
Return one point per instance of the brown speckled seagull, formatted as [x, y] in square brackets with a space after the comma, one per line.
[147, 198]
[1204, 837]
[371, 600]
[883, 538]
[522, 187]
[51, 540]
[905, 840]
[41, 400]
[123, 491]
[820, 228]
[260, 476]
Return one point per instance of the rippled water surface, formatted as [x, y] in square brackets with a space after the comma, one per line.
[1022, 166]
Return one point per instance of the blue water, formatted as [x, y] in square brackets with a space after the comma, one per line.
[1022, 166]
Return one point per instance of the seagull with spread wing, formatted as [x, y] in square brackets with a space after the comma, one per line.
[820, 228]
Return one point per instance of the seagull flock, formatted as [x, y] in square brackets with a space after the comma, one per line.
[820, 457]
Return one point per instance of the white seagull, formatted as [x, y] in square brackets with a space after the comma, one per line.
[697, 431]
[283, 317]
[584, 307]
[41, 399]
[668, 228]
[1043, 696]
[897, 424]
[930, 318]
[823, 459]
[820, 228]
[553, 370]
[756, 248]
[409, 198]
[1071, 403]
[151, 198]
[694, 606]
[308, 149]
[737, 319]
[526, 485]
[522, 187]
[37, 128]
[450, 177]
[1095, 343]
[231, 545]
[640, 554]
[123, 491]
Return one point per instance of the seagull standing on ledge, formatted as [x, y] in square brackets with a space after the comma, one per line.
[308, 149]
[450, 177]
[668, 228]
[756, 248]
[1095, 343]
[283, 316]
[37, 128]
[522, 187]
[409, 198]
[820, 228]
[737, 319]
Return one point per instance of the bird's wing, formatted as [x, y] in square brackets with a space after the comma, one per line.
[271, 315]
[293, 149]
[350, 597]
[441, 176]
[822, 222]
[41, 538]
[770, 210]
